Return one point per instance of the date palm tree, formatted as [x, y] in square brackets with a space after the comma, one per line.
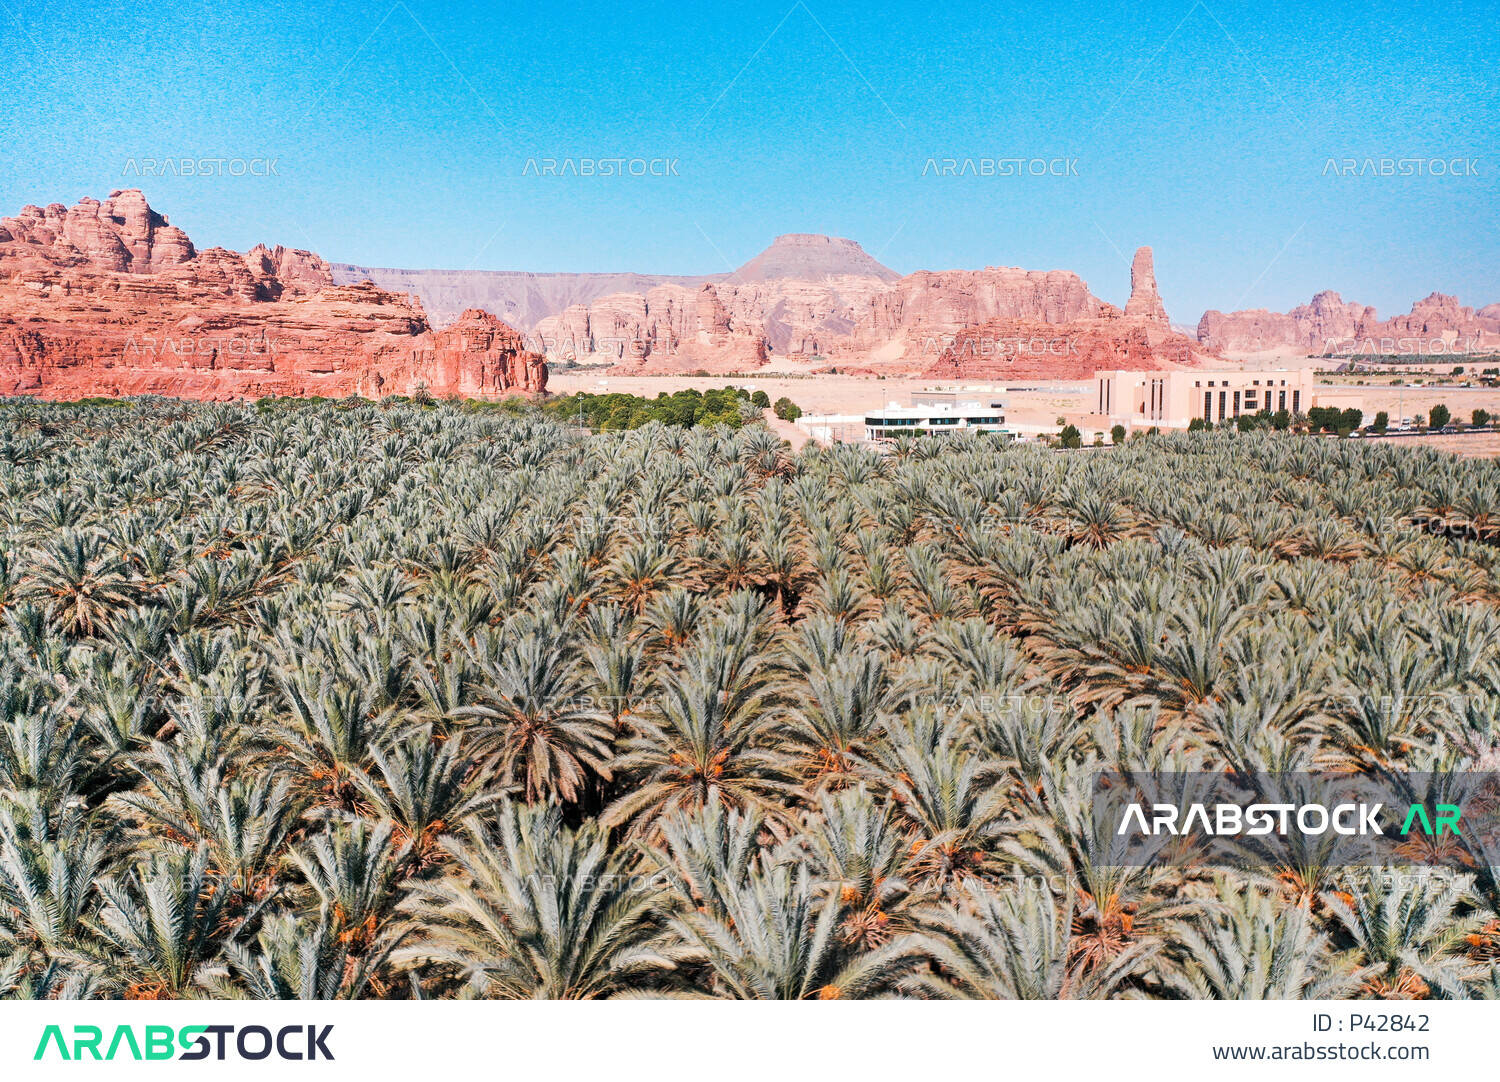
[776, 940]
[1014, 944]
[536, 911]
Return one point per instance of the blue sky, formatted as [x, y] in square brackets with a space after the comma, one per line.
[401, 134]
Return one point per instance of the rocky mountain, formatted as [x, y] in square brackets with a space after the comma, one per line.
[1329, 324]
[109, 298]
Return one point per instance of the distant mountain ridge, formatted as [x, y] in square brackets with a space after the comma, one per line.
[525, 298]
[521, 298]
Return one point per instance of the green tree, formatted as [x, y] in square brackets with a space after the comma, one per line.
[1382, 421]
[1071, 437]
[1480, 417]
[1440, 416]
[760, 399]
[1117, 434]
[786, 409]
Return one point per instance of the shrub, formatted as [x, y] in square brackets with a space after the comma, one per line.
[1325, 418]
[761, 399]
[1117, 434]
[787, 410]
[1440, 416]
[1382, 421]
[1071, 437]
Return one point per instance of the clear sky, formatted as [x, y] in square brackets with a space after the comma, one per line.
[401, 134]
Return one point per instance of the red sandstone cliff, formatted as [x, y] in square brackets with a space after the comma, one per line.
[1009, 349]
[109, 298]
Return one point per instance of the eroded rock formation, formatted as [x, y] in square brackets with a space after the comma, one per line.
[1329, 324]
[109, 298]
[1145, 302]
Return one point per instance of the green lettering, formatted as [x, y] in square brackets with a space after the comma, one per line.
[129, 1035]
[159, 1042]
[1416, 811]
[80, 1046]
[1448, 815]
[51, 1033]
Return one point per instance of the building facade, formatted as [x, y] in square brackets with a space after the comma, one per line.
[1174, 399]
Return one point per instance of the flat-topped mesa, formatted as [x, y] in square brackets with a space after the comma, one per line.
[812, 256]
[1145, 302]
[107, 298]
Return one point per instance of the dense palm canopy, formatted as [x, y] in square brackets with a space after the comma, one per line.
[349, 700]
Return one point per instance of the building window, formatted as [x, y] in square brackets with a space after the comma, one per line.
[1283, 400]
[1296, 401]
[1222, 396]
[1208, 405]
[1236, 403]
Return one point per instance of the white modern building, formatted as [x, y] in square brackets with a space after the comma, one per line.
[933, 413]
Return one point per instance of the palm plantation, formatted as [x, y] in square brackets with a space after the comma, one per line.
[352, 700]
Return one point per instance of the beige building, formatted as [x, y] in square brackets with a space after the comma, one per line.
[1173, 399]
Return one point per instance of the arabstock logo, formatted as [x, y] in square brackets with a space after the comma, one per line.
[1351, 820]
[1442, 818]
[299, 1042]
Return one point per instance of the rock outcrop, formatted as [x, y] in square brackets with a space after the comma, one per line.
[479, 357]
[914, 321]
[1329, 324]
[1145, 303]
[108, 298]
[1009, 349]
